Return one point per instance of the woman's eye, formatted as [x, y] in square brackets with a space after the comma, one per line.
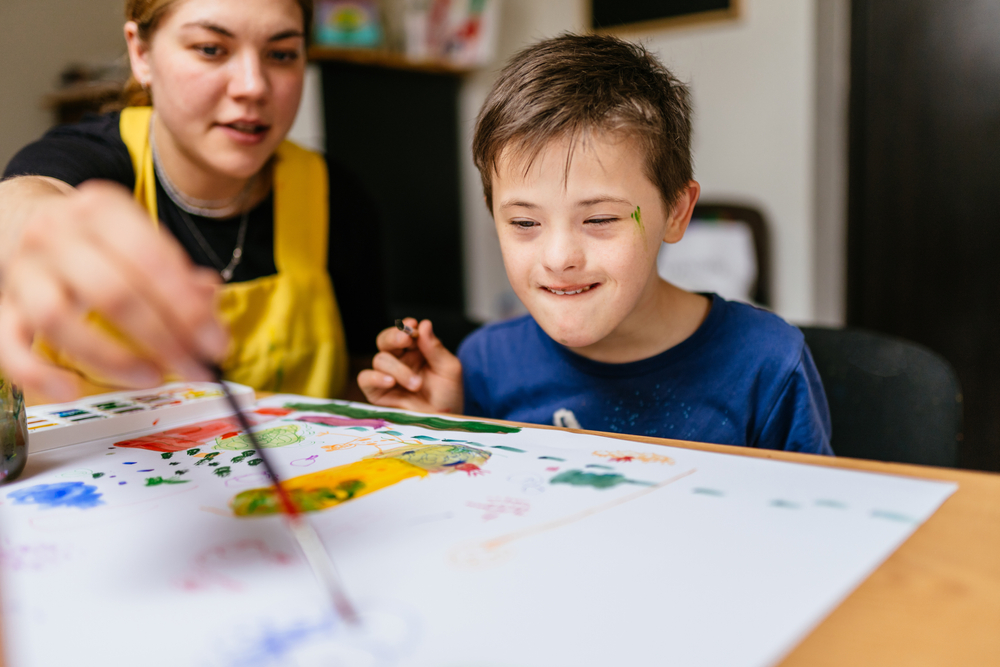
[524, 224]
[210, 50]
[600, 221]
[284, 56]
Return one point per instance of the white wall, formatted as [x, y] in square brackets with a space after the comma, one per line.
[488, 295]
[753, 84]
[38, 38]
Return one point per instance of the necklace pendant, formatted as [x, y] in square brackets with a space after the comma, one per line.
[226, 273]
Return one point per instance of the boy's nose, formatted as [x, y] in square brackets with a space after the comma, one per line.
[563, 251]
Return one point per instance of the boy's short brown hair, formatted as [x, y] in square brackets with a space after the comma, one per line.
[571, 85]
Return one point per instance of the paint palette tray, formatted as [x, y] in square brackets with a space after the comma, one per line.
[124, 412]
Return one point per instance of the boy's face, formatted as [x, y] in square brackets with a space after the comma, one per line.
[580, 246]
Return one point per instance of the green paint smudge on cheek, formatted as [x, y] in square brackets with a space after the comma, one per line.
[637, 216]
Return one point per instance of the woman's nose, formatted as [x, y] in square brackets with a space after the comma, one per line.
[248, 77]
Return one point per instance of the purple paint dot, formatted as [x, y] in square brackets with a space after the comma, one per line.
[120, 483]
[114, 475]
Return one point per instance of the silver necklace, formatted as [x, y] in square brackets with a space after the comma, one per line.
[206, 208]
[225, 271]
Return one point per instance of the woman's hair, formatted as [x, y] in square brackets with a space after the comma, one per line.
[572, 86]
[147, 14]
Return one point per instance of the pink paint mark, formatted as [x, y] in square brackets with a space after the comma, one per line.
[622, 459]
[495, 506]
[217, 567]
[302, 463]
[552, 468]
[342, 421]
[186, 437]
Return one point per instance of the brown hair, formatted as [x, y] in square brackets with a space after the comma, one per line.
[574, 85]
[147, 14]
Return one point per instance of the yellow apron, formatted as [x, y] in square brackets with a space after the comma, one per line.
[286, 328]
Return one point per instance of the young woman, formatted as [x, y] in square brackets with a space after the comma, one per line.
[141, 245]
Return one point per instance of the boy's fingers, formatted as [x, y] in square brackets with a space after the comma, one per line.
[438, 357]
[388, 364]
[393, 340]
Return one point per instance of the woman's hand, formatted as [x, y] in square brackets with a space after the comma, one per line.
[413, 373]
[93, 249]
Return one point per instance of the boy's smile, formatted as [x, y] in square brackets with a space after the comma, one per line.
[580, 245]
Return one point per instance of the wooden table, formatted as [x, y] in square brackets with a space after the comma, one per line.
[935, 601]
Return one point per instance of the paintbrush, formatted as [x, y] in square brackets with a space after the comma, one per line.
[306, 536]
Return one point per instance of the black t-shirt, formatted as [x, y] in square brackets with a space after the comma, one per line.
[93, 148]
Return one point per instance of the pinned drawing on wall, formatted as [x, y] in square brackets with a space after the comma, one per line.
[441, 527]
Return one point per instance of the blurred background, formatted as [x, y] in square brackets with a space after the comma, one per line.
[857, 139]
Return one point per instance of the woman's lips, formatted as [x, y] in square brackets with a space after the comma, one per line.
[245, 132]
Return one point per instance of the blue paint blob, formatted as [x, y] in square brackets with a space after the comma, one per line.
[120, 483]
[64, 494]
[147, 470]
[130, 463]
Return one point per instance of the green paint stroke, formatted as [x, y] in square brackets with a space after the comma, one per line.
[98, 475]
[892, 516]
[509, 449]
[708, 492]
[637, 216]
[255, 462]
[192, 452]
[434, 423]
[157, 481]
[598, 465]
[785, 504]
[834, 504]
[551, 458]
[166, 455]
[222, 472]
[595, 480]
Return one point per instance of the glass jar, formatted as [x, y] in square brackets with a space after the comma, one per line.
[13, 432]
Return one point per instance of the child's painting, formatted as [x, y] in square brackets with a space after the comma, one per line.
[461, 542]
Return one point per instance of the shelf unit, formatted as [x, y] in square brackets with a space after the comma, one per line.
[385, 59]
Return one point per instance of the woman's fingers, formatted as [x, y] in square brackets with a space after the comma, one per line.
[182, 295]
[59, 320]
[23, 366]
[109, 288]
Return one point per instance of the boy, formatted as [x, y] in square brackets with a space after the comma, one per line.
[583, 146]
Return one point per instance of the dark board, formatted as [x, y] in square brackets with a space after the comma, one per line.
[924, 205]
[613, 13]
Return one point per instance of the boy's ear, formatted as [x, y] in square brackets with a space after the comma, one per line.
[680, 216]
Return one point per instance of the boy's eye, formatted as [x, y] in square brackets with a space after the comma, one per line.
[524, 224]
[600, 221]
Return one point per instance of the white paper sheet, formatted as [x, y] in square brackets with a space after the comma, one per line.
[656, 555]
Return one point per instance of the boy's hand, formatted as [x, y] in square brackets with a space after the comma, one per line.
[413, 373]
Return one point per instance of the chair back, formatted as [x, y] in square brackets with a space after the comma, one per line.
[890, 399]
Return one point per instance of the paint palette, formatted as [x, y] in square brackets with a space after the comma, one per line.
[120, 413]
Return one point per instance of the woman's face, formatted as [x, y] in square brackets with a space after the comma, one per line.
[226, 79]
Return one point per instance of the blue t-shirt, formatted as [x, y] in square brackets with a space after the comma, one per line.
[745, 377]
